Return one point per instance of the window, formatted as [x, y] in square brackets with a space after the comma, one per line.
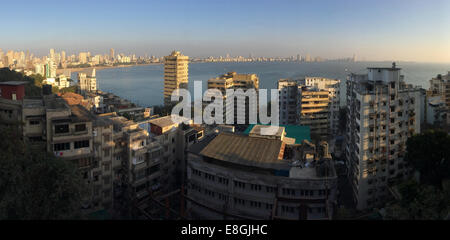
[288, 191]
[61, 146]
[238, 201]
[34, 122]
[223, 181]
[255, 187]
[209, 176]
[80, 127]
[81, 144]
[239, 184]
[106, 180]
[62, 128]
[153, 169]
[270, 189]
[255, 204]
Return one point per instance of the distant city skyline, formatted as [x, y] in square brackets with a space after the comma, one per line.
[398, 30]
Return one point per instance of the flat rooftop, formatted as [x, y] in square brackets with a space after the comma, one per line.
[81, 113]
[299, 133]
[14, 83]
[245, 150]
[164, 121]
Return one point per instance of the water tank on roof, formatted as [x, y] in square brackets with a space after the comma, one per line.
[47, 89]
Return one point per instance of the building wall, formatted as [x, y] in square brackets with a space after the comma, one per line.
[251, 195]
[381, 117]
[16, 92]
[175, 74]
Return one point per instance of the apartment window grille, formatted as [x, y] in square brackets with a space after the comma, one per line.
[270, 189]
[80, 127]
[81, 144]
[63, 128]
[239, 184]
[255, 187]
[61, 146]
[34, 122]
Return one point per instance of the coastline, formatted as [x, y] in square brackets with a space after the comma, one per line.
[72, 70]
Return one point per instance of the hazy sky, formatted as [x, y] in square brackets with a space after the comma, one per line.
[408, 30]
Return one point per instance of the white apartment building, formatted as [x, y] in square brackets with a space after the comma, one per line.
[383, 111]
[87, 82]
[175, 74]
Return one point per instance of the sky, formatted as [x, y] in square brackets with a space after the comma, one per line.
[401, 30]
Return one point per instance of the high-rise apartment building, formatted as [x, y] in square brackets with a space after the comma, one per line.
[83, 57]
[175, 74]
[235, 81]
[311, 101]
[290, 101]
[315, 110]
[332, 86]
[111, 54]
[52, 54]
[383, 111]
[63, 56]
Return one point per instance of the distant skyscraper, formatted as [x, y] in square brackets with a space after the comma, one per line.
[83, 57]
[63, 56]
[111, 53]
[175, 74]
[52, 54]
[308, 58]
[299, 58]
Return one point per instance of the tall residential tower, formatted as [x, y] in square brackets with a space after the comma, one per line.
[175, 74]
[383, 111]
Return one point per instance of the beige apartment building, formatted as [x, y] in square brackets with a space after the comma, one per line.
[235, 81]
[311, 101]
[332, 86]
[175, 74]
[383, 111]
[315, 111]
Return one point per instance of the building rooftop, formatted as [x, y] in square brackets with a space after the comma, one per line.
[164, 121]
[299, 133]
[199, 146]
[245, 150]
[33, 103]
[54, 102]
[81, 114]
[14, 83]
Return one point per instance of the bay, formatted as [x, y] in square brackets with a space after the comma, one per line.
[144, 84]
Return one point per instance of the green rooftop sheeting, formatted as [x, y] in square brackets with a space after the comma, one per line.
[300, 133]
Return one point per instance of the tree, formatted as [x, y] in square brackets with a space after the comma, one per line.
[420, 202]
[72, 89]
[32, 88]
[429, 154]
[35, 185]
